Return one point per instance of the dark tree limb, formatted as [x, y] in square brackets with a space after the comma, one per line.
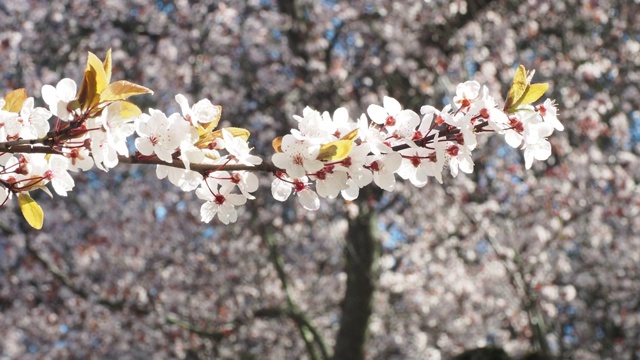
[362, 251]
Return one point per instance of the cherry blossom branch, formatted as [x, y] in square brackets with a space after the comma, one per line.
[200, 168]
[37, 146]
[326, 156]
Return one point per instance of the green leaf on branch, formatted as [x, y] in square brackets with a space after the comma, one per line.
[129, 110]
[352, 135]
[93, 62]
[216, 119]
[339, 149]
[518, 87]
[522, 92]
[533, 93]
[88, 92]
[96, 89]
[277, 144]
[107, 65]
[121, 90]
[14, 100]
[235, 131]
[335, 150]
[207, 137]
[31, 211]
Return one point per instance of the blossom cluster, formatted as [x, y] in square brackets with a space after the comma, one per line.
[326, 156]
[397, 141]
[100, 140]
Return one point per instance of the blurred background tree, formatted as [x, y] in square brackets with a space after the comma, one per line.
[528, 261]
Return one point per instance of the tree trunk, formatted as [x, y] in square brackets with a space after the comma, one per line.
[362, 250]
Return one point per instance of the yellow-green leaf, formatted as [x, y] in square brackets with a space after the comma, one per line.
[277, 144]
[121, 90]
[31, 211]
[352, 135]
[236, 132]
[533, 93]
[518, 87]
[101, 76]
[129, 110]
[107, 66]
[335, 150]
[207, 138]
[14, 100]
[214, 122]
[522, 92]
[87, 92]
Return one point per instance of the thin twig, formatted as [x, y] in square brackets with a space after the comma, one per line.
[309, 334]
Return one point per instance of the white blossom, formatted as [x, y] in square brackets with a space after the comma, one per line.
[58, 98]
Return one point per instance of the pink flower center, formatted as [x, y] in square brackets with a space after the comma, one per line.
[415, 161]
[23, 167]
[516, 125]
[298, 159]
[299, 186]
[219, 199]
[375, 166]
[75, 154]
[542, 110]
[390, 121]
[417, 136]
